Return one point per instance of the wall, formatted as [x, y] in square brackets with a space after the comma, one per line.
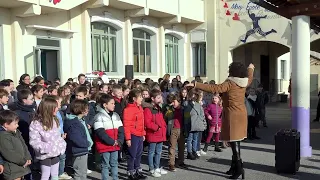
[239, 22]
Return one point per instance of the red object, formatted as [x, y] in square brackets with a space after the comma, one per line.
[178, 119]
[225, 5]
[228, 13]
[236, 17]
[133, 121]
[111, 126]
[156, 127]
[55, 2]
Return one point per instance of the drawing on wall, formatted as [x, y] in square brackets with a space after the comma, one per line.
[256, 27]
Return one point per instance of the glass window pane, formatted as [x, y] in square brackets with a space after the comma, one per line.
[176, 59]
[175, 40]
[148, 56]
[147, 35]
[142, 57]
[136, 55]
[96, 52]
[137, 33]
[105, 56]
[103, 47]
[112, 54]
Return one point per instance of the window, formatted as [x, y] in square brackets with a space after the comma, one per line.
[141, 51]
[103, 39]
[172, 54]
[199, 57]
[283, 66]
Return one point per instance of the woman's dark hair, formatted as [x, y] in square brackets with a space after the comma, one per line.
[22, 77]
[237, 69]
[37, 79]
[134, 93]
[159, 80]
[181, 90]
[164, 86]
[123, 80]
[104, 98]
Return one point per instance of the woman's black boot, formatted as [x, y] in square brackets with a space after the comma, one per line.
[233, 165]
[238, 170]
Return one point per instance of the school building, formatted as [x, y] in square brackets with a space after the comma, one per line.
[62, 38]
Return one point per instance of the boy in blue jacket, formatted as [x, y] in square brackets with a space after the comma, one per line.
[78, 139]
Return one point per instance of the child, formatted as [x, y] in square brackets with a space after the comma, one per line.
[103, 88]
[16, 157]
[262, 100]
[252, 118]
[173, 115]
[61, 118]
[52, 90]
[194, 120]
[183, 95]
[25, 109]
[78, 139]
[213, 114]
[133, 120]
[37, 91]
[109, 135]
[4, 98]
[125, 91]
[46, 140]
[81, 93]
[155, 133]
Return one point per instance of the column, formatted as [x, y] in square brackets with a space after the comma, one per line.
[301, 81]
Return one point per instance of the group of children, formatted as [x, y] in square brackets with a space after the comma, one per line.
[55, 126]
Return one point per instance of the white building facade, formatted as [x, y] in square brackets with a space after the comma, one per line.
[64, 38]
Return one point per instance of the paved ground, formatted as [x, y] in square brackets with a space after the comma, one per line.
[258, 156]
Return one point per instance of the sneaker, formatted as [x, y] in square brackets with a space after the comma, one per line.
[140, 176]
[155, 174]
[202, 152]
[172, 168]
[89, 171]
[199, 153]
[161, 171]
[65, 176]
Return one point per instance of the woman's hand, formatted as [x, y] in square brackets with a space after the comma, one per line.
[251, 66]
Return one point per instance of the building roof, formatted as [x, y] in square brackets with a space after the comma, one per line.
[291, 8]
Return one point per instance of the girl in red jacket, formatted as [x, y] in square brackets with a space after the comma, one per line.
[155, 132]
[133, 121]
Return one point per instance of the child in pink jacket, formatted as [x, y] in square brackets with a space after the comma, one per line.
[213, 114]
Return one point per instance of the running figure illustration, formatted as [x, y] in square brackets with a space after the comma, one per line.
[256, 27]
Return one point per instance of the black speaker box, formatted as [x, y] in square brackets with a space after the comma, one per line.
[287, 151]
[129, 71]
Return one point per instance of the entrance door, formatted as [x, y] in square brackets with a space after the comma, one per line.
[47, 63]
[265, 71]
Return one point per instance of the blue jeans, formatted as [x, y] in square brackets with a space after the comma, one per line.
[199, 140]
[109, 160]
[62, 163]
[192, 142]
[154, 155]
